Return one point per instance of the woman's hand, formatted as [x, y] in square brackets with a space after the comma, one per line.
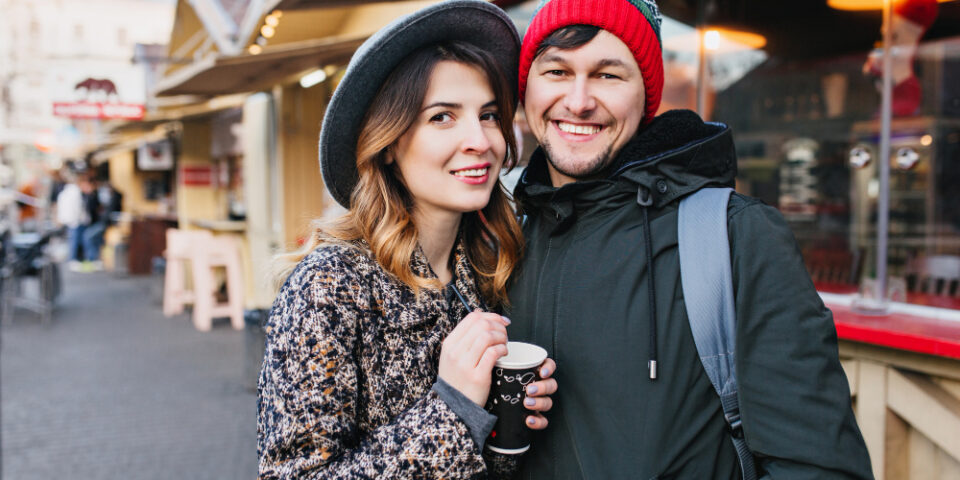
[470, 351]
[538, 395]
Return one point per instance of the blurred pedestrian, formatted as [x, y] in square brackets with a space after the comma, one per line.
[72, 214]
[381, 344]
[102, 202]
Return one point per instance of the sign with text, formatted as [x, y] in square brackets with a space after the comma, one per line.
[196, 175]
[109, 94]
[90, 110]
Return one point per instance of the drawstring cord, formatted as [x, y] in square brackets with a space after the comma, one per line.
[645, 200]
[460, 296]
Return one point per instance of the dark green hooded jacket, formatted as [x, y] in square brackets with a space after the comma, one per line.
[584, 293]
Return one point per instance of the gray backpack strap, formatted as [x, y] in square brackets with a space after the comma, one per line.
[707, 281]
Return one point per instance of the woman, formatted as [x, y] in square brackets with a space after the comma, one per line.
[381, 344]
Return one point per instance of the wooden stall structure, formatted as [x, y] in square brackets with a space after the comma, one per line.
[904, 373]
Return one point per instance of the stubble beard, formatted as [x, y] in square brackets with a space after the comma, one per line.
[587, 171]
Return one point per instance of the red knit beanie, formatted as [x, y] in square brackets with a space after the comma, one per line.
[635, 22]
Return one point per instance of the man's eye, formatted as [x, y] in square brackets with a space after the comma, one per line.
[609, 76]
[555, 73]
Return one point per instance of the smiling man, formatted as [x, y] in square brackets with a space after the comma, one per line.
[600, 285]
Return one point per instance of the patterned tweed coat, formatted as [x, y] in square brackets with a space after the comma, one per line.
[345, 390]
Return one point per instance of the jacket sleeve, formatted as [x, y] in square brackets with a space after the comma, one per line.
[794, 396]
[308, 396]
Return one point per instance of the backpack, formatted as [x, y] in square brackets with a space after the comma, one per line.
[707, 282]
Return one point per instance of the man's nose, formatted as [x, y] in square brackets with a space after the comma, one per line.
[579, 98]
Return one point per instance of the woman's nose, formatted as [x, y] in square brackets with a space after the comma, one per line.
[476, 139]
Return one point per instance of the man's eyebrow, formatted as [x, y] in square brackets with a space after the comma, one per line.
[553, 58]
[603, 62]
[611, 62]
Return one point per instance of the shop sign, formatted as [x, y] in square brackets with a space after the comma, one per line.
[97, 98]
[155, 156]
[88, 110]
[196, 175]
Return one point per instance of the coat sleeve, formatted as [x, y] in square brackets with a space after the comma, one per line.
[794, 396]
[308, 396]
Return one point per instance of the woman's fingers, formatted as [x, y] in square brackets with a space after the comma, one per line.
[482, 340]
[539, 404]
[490, 357]
[462, 336]
[542, 388]
[536, 422]
[547, 368]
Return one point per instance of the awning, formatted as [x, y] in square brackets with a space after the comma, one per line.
[305, 4]
[221, 75]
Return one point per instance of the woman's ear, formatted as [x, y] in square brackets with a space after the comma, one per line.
[388, 156]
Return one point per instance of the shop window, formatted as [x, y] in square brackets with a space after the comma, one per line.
[805, 112]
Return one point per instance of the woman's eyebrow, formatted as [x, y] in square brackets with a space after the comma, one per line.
[442, 104]
[456, 106]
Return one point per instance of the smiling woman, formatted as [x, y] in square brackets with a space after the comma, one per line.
[382, 341]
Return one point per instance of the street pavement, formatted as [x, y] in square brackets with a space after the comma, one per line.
[111, 389]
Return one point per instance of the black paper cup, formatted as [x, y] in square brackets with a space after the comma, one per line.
[511, 375]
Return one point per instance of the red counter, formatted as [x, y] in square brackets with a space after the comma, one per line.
[899, 330]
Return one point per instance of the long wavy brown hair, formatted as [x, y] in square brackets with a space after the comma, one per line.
[380, 205]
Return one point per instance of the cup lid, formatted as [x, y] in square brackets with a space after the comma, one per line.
[522, 355]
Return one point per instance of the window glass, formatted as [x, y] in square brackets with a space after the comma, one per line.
[800, 87]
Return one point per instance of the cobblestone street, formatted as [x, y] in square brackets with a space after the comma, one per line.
[111, 389]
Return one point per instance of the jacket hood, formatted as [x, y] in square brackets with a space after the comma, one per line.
[677, 154]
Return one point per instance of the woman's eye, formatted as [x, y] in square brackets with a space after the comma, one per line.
[490, 117]
[441, 117]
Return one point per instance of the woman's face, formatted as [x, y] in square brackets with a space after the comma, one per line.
[450, 158]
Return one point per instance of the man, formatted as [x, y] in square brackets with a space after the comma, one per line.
[600, 285]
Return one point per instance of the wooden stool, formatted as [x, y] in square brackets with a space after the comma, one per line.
[214, 252]
[180, 250]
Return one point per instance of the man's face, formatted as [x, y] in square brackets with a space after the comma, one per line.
[583, 105]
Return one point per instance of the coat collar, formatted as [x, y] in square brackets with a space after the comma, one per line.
[464, 278]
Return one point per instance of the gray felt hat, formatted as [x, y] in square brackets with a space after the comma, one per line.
[474, 21]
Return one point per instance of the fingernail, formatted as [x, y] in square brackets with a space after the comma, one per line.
[532, 389]
[505, 319]
[544, 372]
[529, 402]
[530, 420]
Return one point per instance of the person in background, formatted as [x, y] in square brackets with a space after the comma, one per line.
[599, 286]
[382, 341]
[101, 203]
[72, 214]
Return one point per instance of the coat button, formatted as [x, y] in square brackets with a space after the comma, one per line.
[661, 186]
[558, 216]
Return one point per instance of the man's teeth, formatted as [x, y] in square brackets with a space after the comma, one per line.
[474, 172]
[578, 129]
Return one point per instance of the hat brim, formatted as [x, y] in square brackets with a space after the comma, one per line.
[473, 21]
